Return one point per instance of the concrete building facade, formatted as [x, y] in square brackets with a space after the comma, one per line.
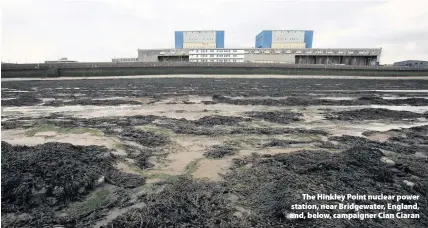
[361, 57]
[61, 60]
[199, 39]
[124, 60]
[412, 63]
[284, 39]
[216, 55]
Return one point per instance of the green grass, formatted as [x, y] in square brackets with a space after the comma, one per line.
[43, 128]
[155, 129]
[192, 167]
[94, 201]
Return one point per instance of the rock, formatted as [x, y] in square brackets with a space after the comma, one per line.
[408, 183]
[387, 161]
[100, 181]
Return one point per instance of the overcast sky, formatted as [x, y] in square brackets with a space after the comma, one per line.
[39, 30]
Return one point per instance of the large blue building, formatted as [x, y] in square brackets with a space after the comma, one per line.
[199, 39]
[285, 39]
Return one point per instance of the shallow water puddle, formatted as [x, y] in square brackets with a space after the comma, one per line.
[337, 98]
[402, 98]
[19, 137]
[417, 109]
[187, 111]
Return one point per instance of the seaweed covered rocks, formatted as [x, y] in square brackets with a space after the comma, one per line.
[182, 203]
[394, 145]
[144, 138]
[285, 143]
[21, 101]
[282, 117]
[54, 174]
[220, 120]
[60, 185]
[48, 174]
[219, 151]
[414, 136]
[373, 114]
[269, 185]
[306, 100]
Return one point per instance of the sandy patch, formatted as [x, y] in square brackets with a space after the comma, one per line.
[211, 168]
[339, 128]
[124, 167]
[311, 115]
[381, 137]
[46, 134]
[178, 162]
[185, 149]
[18, 137]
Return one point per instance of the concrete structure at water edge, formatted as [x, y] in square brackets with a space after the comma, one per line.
[124, 60]
[199, 39]
[412, 63]
[284, 39]
[61, 60]
[334, 56]
[88, 69]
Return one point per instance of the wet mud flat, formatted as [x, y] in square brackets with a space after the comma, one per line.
[211, 152]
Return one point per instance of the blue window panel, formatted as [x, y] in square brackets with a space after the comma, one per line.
[267, 39]
[309, 36]
[264, 39]
[179, 40]
[219, 39]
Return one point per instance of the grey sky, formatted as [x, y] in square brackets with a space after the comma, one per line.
[34, 31]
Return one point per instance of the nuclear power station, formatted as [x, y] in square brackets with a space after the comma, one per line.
[271, 46]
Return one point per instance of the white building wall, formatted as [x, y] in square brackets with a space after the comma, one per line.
[216, 55]
[288, 45]
[255, 54]
[199, 45]
[124, 60]
[271, 58]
